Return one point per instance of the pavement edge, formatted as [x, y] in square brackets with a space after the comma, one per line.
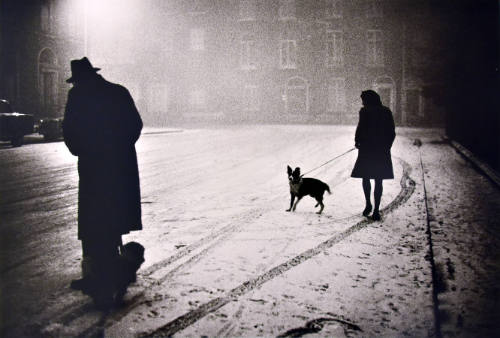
[479, 164]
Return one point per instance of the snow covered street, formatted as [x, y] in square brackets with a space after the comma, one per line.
[223, 258]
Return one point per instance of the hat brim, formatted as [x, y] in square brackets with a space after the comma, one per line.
[73, 79]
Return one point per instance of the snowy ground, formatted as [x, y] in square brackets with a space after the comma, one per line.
[223, 258]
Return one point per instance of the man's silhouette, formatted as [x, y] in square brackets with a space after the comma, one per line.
[374, 137]
[101, 125]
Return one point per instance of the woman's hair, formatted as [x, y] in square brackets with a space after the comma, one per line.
[370, 98]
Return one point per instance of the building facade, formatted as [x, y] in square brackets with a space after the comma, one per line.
[274, 61]
[291, 61]
[37, 40]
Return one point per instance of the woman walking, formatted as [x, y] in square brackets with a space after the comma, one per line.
[375, 134]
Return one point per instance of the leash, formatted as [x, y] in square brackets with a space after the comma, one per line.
[333, 159]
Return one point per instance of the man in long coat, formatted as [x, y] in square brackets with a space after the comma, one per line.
[375, 134]
[101, 125]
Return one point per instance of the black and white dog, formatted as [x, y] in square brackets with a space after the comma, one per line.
[303, 186]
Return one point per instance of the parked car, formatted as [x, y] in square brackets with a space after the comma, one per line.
[50, 128]
[13, 126]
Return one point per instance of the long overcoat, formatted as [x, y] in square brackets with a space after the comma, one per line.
[375, 134]
[101, 125]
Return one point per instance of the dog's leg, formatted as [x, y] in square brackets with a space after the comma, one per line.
[321, 208]
[320, 203]
[292, 198]
[296, 202]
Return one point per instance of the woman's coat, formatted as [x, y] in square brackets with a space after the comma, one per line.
[375, 134]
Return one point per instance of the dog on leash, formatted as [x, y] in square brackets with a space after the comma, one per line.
[303, 186]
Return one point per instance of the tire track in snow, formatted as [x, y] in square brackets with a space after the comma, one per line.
[71, 312]
[182, 322]
[226, 330]
[216, 236]
[224, 232]
[138, 299]
[213, 240]
[74, 311]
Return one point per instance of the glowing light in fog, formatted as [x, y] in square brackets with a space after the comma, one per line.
[106, 16]
[108, 23]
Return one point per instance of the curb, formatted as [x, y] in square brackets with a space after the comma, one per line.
[162, 132]
[480, 165]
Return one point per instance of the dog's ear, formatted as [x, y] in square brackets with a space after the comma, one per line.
[289, 170]
[297, 170]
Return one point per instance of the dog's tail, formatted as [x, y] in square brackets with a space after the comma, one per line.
[327, 188]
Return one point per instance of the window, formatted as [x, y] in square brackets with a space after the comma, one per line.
[48, 89]
[418, 46]
[46, 17]
[11, 82]
[73, 27]
[334, 48]
[288, 54]
[297, 96]
[166, 43]
[197, 37]
[199, 7]
[158, 101]
[374, 48]
[248, 54]
[286, 9]
[248, 10]
[373, 9]
[74, 23]
[154, 109]
[336, 95]
[413, 102]
[198, 99]
[47, 58]
[251, 98]
[386, 88]
[48, 81]
[334, 8]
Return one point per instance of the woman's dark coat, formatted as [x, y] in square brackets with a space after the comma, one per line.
[101, 125]
[374, 137]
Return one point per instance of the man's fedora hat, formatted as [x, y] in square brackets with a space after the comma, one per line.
[81, 68]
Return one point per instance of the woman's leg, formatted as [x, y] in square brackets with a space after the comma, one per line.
[378, 196]
[367, 188]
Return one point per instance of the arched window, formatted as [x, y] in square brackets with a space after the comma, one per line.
[384, 86]
[48, 77]
[47, 57]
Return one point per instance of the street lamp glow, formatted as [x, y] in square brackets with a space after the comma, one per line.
[109, 24]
